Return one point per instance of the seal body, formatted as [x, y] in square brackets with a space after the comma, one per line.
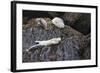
[42, 22]
[58, 22]
[49, 42]
[52, 41]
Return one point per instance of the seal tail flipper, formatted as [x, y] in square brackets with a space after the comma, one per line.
[32, 47]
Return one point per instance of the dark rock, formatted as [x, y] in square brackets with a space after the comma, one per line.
[34, 56]
[26, 56]
[85, 51]
[83, 24]
[71, 17]
[44, 54]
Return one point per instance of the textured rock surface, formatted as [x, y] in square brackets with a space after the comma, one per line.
[67, 49]
[74, 45]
